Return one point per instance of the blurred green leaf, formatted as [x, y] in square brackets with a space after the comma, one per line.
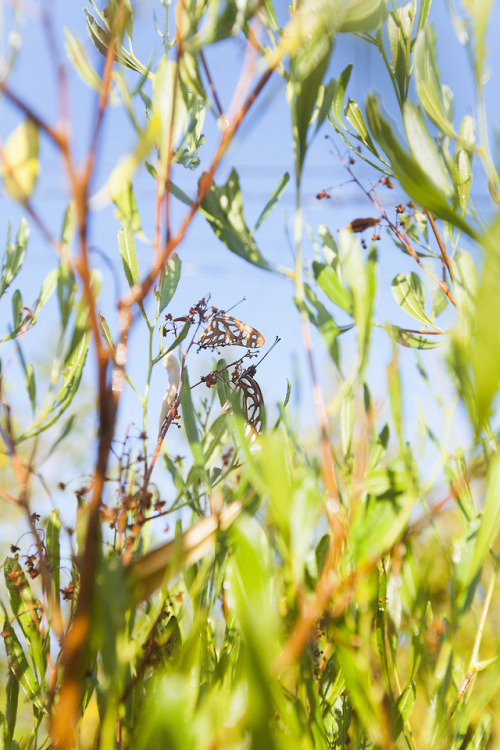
[411, 339]
[126, 244]
[355, 117]
[53, 551]
[330, 283]
[223, 209]
[189, 420]
[76, 54]
[13, 256]
[486, 344]
[20, 166]
[11, 703]
[365, 15]
[427, 78]
[169, 279]
[127, 212]
[18, 665]
[272, 201]
[424, 151]
[408, 291]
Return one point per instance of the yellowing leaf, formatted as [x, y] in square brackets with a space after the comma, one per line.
[20, 161]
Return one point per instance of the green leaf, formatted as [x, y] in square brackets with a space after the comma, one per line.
[428, 81]
[29, 379]
[424, 149]
[19, 667]
[169, 280]
[486, 344]
[66, 288]
[341, 86]
[403, 709]
[102, 38]
[48, 288]
[360, 277]
[355, 117]
[223, 208]
[11, 703]
[272, 201]
[408, 291]
[53, 551]
[127, 212]
[490, 520]
[19, 167]
[13, 256]
[215, 439]
[126, 244]
[76, 54]
[411, 339]
[26, 610]
[169, 105]
[481, 736]
[189, 421]
[330, 283]
[363, 16]
[465, 288]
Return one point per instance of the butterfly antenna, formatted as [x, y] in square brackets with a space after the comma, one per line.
[236, 304]
[268, 351]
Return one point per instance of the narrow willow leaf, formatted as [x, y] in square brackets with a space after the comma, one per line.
[411, 339]
[363, 16]
[19, 167]
[408, 291]
[76, 54]
[355, 117]
[223, 209]
[360, 277]
[13, 256]
[26, 609]
[222, 383]
[490, 520]
[101, 38]
[17, 305]
[49, 286]
[272, 201]
[127, 212]
[333, 287]
[169, 105]
[479, 740]
[463, 178]
[465, 290]
[11, 703]
[480, 14]
[53, 551]
[486, 344]
[169, 280]
[18, 665]
[403, 709]
[126, 244]
[427, 79]
[189, 420]
[66, 289]
[341, 86]
[424, 149]
[29, 379]
[215, 439]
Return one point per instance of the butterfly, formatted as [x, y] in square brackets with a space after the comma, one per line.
[252, 402]
[223, 330]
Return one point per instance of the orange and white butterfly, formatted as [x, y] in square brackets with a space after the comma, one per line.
[223, 330]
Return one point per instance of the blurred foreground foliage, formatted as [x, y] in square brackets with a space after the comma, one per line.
[331, 591]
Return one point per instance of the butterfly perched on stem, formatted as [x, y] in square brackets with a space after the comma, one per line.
[223, 330]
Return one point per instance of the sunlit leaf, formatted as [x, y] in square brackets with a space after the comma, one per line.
[20, 166]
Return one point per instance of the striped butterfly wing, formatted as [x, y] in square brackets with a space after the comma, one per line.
[223, 330]
[252, 402]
